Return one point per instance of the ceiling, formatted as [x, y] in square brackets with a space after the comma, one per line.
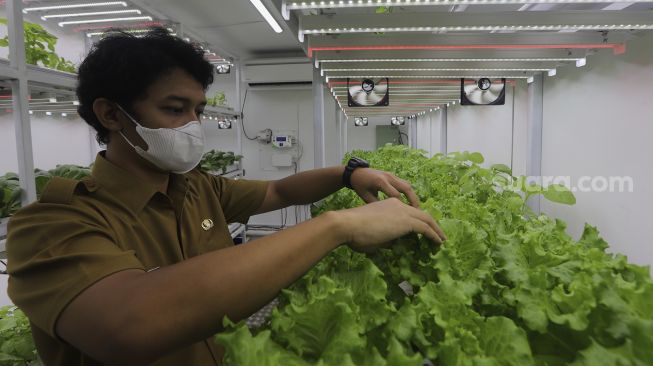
[425, 47]
[234, 26]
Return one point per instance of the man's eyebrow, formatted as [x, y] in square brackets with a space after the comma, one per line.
[184, 100]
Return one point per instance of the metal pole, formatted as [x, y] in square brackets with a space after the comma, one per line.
[239, 133]
[443, 130]
[534, 128]
[413, 133]
[20, 102]
[339, 130]
[318, 119]
[345, 129]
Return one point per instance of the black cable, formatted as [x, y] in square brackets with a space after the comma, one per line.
[242, 117]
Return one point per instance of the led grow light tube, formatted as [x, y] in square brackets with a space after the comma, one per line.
[75, 15]
[266, 15]
[572, 59]
[618, 48]
[423, 76]
[338, 4]
[135, 31]
[89, 21]
[430, 69]
[475, 28]
[74, 6]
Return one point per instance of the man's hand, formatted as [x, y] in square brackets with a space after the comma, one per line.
[368, 182]
[375, 225]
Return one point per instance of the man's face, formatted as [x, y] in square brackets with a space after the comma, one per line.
[172, 101]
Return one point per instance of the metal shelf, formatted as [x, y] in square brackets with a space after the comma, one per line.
[228, 112]
[40, 75]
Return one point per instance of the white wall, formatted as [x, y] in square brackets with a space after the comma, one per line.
[485, 129]
[597, 122]
[55, 140]
[429, 132]
[281, 109]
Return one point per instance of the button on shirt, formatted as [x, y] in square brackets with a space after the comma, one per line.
[82, 231]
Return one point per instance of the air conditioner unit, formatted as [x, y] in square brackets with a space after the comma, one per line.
[271, 72]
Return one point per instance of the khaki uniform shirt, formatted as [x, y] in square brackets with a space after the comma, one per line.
[82, 231]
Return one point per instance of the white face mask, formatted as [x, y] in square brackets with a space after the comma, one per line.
[177, 150]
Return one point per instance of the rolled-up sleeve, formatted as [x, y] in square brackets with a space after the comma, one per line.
[239, 198]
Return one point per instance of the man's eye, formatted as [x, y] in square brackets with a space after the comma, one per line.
[174, 110]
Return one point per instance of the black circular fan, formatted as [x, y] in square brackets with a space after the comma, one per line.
[368, 92]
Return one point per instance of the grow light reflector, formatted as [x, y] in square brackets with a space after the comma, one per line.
[224, 124]
[360, 121]
[398, 121]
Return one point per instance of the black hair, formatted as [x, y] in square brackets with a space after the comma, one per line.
[121, 66]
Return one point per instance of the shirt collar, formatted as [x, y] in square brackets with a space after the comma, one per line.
[127, 188]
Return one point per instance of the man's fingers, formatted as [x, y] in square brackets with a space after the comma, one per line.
[391, 191]
[421, 227]
[368, 197]
[405, 188]
[426, 218]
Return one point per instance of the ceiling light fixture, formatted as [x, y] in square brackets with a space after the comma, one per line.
[436, 69]
[74, 6]
[581, 62]
[618, 48]
[75, 15]
[89, 21]
[488, 28]
[266, 15]
[422, 77]
[571, 59]
[553, 72]
[303, 5]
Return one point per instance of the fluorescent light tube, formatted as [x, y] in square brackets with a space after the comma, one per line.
[553, 72]
[74, 15]
[266, 15]
[89, 21]
[73, 6]
[581, 62]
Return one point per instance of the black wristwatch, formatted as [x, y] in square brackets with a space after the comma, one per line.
[352, 165]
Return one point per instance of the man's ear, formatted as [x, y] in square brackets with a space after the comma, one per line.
[108, 114]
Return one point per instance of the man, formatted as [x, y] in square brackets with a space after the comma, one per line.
[135, 264]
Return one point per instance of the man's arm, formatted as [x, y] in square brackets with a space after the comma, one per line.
[313, 185]
[134, 318]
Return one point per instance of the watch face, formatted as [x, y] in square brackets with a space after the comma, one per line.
[357, 162]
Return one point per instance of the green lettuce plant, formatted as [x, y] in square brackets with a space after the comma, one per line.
[214, 161]
[40, 47]
[16, 345]
[508, 287]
